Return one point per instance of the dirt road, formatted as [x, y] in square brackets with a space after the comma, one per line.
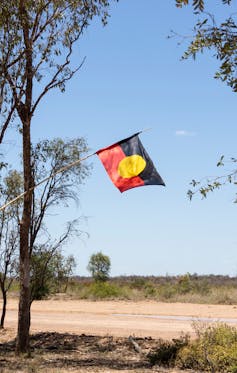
[120, 318]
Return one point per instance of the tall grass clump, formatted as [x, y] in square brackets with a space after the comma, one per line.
[214, 350]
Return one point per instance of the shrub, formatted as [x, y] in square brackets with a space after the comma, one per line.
[50, 270]
[150, 290]
[184, 284]
[138, 283]
[214, 350]
[201, 287]
[187, 288]
[103, 290]
[166, 292]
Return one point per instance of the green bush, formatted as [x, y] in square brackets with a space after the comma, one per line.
[49, 271]
[214, 350]
[138, 283]
[149, 290]
[201, 287]
[184, 284]
[103, 290]
[166, 292]
[187, 288]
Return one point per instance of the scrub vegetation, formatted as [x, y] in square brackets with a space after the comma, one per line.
[213, 350]
[211, 289]
[208, 289]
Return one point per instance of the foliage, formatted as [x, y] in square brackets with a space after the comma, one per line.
[211, 184]
[103, 290]
[218, 36]
[209, 289]
[150, 290]
[198, 5]
[37, 39]
[138, 282]
[95, 290]
[53, 155]
[184, 284]
[50, 270]
[48, 157]
[99, 266]
[9, 235]
[214, 350]
[61, 188]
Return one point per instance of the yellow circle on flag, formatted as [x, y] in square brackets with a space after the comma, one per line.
[131, 166]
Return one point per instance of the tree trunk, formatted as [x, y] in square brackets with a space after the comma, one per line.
[4, 307]
[22, 345]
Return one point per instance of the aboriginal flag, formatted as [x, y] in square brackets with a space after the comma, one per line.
[128, 164]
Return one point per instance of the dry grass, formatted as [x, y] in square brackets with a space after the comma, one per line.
[186, 289]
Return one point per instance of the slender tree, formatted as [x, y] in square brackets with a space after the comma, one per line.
[36, 36]
[48, 157]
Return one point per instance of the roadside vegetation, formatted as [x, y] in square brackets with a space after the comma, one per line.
[210, 289]
[213, 350]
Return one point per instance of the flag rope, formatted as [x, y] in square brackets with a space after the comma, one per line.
[45, 179]
[55, 173]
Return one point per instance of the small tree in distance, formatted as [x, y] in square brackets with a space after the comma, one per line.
[10, 187]
[50, 271]
[99, 266]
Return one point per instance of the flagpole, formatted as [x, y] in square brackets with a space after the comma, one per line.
[45, 179]
[55, 173]
[145, 130]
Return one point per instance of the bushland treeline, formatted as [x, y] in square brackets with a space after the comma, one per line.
[193, 288]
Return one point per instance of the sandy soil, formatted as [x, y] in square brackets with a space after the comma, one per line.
[64, 352]
[120, 318]
[93, 337]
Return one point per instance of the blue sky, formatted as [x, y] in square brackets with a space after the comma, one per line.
[133, 79]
